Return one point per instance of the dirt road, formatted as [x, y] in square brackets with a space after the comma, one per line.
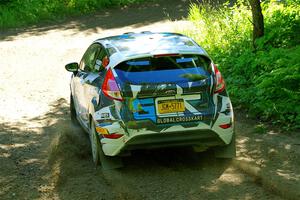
[43, 157]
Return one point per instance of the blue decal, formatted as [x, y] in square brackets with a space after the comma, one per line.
[104, 124]
[183, 60]
[138, 63]
[172, 76]
[144, 109]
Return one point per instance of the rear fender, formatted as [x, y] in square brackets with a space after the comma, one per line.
[108, 120]
[91, 109]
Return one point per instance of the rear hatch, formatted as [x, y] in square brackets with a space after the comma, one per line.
[167, 89]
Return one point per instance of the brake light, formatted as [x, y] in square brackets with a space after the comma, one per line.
[110, 87]
[220, 83]
[165, 55]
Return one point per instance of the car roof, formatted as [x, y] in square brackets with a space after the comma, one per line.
[133, 45]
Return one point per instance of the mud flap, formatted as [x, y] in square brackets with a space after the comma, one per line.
[228, 151]
[110, 162]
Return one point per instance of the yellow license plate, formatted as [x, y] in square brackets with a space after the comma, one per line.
[171, 106]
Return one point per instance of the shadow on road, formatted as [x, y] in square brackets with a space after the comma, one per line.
[50, 159]
[135, 15]
[276, 153]
[23, 153]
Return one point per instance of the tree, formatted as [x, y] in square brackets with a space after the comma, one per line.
[257, 19]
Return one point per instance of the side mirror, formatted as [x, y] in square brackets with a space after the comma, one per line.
[72, 67]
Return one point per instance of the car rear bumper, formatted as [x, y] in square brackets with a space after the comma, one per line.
[196, 138]
[192, 138]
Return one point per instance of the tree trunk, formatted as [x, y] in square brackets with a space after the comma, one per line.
[257, 18]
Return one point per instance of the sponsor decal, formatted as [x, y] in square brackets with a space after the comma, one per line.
[104, 115]
[101, 130]
[177, 119]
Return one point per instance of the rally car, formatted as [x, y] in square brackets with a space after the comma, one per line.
[150, 90]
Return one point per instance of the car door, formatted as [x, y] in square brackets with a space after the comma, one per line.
[93, 81]
[83, 76]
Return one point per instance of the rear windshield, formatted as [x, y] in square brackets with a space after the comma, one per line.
[164, 63]
[168, 68]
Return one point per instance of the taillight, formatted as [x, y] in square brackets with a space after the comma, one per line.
[220, 83]
[110, 87]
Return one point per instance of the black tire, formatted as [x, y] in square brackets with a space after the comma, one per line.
[73, 112]
[95, 144]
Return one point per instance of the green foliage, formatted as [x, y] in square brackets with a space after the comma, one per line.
[265, 80]
[16, 13]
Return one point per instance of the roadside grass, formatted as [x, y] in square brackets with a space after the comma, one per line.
[264, 80]
[19, 13]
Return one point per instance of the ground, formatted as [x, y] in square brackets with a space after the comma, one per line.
[43, 156]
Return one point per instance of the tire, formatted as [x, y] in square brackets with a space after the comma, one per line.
[95, 144]
[107, 162]
[73, 112]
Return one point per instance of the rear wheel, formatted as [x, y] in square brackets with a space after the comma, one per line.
[107, 162]
[95, 144]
